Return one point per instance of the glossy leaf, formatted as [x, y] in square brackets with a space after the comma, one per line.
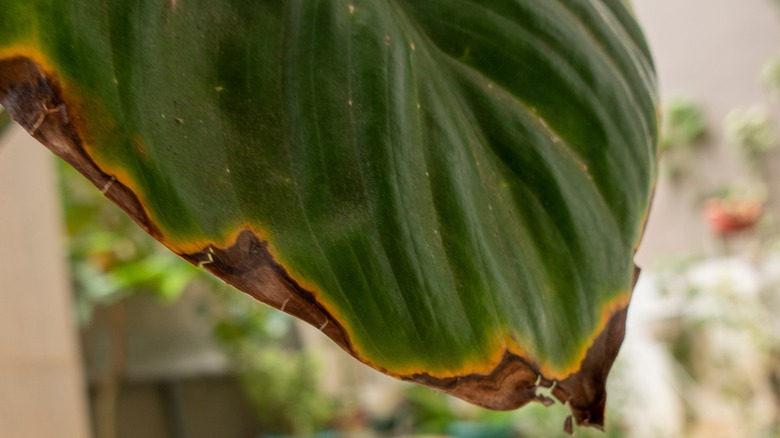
[452, 190]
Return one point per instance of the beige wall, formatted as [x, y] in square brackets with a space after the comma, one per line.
[713, 51]
[41, 390]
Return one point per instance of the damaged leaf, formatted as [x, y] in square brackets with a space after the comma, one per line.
[452, 191]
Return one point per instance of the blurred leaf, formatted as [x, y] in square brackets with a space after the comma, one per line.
[770, 75]
[283, 389]
[431, 411]
[683, 123]
[5, 120]
[752, 133]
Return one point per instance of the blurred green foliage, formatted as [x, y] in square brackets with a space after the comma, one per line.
[434, 413]
[770, 75]
[684, 127]
[431, 412]
[110, 256]
[5, 120]
[281, 381]
[683, 123]
[751, 131]
[282, 386]
[536, 420]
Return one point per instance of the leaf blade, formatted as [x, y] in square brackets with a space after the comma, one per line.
[439, 186]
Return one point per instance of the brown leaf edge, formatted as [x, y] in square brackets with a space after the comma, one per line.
[36, 101]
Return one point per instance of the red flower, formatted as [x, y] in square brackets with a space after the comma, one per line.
[730, 216]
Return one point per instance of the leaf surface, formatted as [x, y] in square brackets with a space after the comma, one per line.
[452, 190]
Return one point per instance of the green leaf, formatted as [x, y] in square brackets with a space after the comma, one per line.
[451, 190]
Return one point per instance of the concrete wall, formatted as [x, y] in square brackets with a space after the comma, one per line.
[41, 385]
[713, 51]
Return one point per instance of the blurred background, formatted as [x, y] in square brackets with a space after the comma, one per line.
[104, 334]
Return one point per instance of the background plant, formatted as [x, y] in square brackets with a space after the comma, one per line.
[282, 382]
[110, 257]
[684, 128]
